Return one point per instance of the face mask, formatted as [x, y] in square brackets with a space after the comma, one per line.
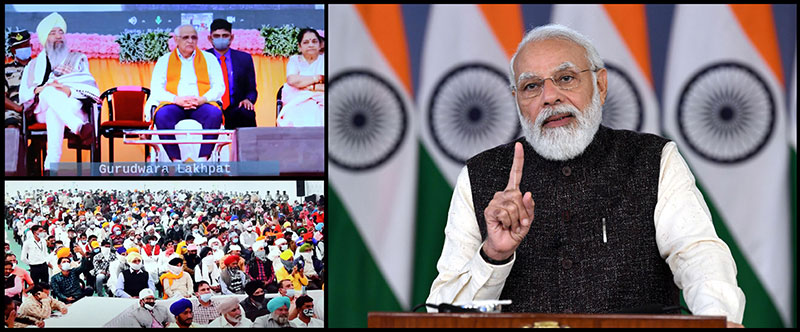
[288, 264]
[83, 241]
[65, 267]
[259, 298]
[96, 250]
[284, 247]
[175, 269]
[205, 297]
[208, 260]
[136, 266]
[235, 240]
[290, 292]
[153, 243]
[149, 306]
[308, 312]
[23, 53]
[261, 254]
[105, 251]
[117, 232]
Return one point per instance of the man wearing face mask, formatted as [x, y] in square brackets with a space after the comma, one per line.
[255, 304]
[132, 280]
[305, 304]
[231, 278]
[203, 308]
[66, 285]
[260, 268]
[34, 254]
[292, 269]
[176, 282]
[147, 314]
[20, 45]
[101, 262]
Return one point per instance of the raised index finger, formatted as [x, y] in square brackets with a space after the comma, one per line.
[516, 167]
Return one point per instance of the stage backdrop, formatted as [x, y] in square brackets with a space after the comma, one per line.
[91, 29]
[742, 151]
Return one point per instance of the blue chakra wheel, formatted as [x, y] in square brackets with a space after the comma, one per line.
[726, 112]
[367, 120]
[623, 107]
[471, 110]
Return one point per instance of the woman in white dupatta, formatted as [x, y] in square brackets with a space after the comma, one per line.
[304, 91]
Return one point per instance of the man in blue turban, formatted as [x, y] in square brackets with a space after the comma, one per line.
[182, 309]
[279, 314]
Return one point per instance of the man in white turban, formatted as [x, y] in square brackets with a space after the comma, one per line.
[55, 85]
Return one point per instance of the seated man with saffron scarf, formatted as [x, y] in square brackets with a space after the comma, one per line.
[187, 84]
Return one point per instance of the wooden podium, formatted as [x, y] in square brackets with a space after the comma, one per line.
[492, 320]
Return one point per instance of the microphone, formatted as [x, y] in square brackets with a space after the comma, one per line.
[651, 308]
[445, 307]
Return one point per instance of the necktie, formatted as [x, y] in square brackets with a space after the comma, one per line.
[226, 98]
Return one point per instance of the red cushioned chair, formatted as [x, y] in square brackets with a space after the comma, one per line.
[37, 133]
[125, 112]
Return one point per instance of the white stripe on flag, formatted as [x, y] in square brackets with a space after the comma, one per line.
[622, 111]
[717, 107]
[465, 102]
[375, 161]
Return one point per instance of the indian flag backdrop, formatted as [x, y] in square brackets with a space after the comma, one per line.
[619, 32]
[465, 106]
[724, 106]
[372, 154]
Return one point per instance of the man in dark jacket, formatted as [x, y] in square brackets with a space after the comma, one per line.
[239, 75]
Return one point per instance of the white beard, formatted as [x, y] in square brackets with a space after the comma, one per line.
[565, 142]
[57, 54]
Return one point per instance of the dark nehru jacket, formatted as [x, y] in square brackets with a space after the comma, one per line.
[135, 282]
[563, 264]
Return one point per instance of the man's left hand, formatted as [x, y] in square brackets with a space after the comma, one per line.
[246, 104]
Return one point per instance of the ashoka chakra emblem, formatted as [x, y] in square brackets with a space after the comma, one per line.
[623, 106]
[726, 113]
[367, 120]
[472, 110]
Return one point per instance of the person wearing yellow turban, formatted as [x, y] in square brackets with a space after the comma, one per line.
[54, 85]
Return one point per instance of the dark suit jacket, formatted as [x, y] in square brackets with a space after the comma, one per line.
[244, 77]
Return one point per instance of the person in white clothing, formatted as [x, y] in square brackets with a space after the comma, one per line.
[186, 83]
[34, 254]
[306, 316]
[232, 315]
[617, 225]
[55, 84]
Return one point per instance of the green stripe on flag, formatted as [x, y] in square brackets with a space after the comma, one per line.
[433, 202]
[759, 309]
[357, 286]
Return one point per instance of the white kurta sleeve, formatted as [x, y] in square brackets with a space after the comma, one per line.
[700, 261]
[463, 275]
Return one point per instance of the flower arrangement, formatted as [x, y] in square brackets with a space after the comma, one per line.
[280, 41]
[142, 47]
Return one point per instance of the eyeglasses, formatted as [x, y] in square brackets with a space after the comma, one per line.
[567, 79]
